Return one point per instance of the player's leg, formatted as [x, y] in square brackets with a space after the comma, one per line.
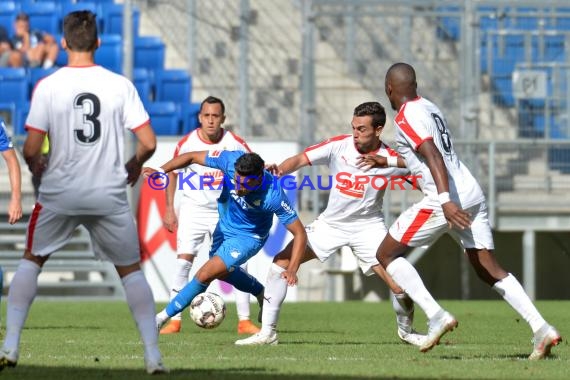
[479, 240]
[47, 232]
[182, 268]
[115, 238]
[410, 230]
[364, 240]
[245, 325]
[274, 295]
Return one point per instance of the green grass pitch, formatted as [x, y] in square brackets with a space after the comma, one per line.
[350, 340]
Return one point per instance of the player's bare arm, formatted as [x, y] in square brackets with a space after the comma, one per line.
[146, 145]
[15, 205]
[297, 252]
[293, 164]
[369, 161]
[453, 213]
[170, 220]
[179, 162]
[33, 152]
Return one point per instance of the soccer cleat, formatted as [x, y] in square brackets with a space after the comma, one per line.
[411, 337]
[441, 323]
[544, 339]
[173, 327]
[8, 358]
[247, 327]
[259, 339]
[155, 368]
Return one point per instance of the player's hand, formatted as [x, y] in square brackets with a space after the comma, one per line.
[456, 217]
[133, 168]
[290, 276]
[147, 172]
[14, 211]
[274, 169]
[38, 164]
[370, 161]
[170, 221]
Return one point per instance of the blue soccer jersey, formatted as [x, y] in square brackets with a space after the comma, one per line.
[5, 142]
[252, 214]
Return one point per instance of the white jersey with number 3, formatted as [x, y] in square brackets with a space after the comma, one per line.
[417, 121]
[201, 185]
[85, 112]
[355, 195]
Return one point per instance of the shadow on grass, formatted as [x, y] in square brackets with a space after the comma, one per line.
[69, 373]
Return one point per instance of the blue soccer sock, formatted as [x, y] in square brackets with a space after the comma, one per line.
[185, 296]
[244, 281]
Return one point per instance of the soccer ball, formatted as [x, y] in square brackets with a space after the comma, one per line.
[208, 310]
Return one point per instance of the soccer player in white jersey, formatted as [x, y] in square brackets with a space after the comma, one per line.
[353, 216]
[14, 174]
[198, 210]
[453, 202]
[85, 109]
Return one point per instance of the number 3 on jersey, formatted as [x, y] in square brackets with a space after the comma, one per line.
[89, 132]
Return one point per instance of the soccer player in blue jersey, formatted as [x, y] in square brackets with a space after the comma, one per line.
[249, 199]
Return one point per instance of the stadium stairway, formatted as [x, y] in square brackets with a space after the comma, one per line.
[71, 272]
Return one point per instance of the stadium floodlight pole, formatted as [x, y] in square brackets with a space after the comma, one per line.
[132, 192]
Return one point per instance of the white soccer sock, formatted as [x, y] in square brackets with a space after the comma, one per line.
[141, 303]
[404, 307]
[512, 291]
[242, 301]
[408, 279]
[181, 273]
[23, 289]
[275, 292]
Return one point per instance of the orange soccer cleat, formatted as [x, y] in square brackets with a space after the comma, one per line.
[173, 327]
[247, 327]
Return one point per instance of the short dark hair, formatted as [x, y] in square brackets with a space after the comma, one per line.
[373, 109]
[250, 164]
[22, 16]
[80, 31]
[213, 100]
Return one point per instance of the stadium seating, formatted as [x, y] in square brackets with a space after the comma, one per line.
[44, 16]
[110, 53]
[164, 117]
[173, 85]
[20, 116]
[112, 18]
[8, 10]
[189, 115]
[149, 53]
[14, 88]
[141, 80]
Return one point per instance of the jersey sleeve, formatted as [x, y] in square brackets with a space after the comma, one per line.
[282, 207]
[223, 160]
[413, 127]
[240, 143]
[134, 113]
[321, 153]
[38, 117]
[5, 141]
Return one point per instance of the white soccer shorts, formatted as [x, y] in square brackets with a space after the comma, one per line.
[114, 237]
[195, 224]
[424, 223]
[362, 237]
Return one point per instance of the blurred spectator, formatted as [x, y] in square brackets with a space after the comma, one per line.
[8, 56]
[38, 48]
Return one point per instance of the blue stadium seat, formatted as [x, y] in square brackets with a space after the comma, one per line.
[173, 85]
[8, 11]
[548, 48]
[164, 117]
[110, 53]
[141, 80]
[448, 27]
[19, 120]
[524, 18]
[97, 1]
[562, 22]
[44, 16]
[14, 88]
[112, 17]
[502, 86]
[189, 115]
[149, 52]
[36, 74]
